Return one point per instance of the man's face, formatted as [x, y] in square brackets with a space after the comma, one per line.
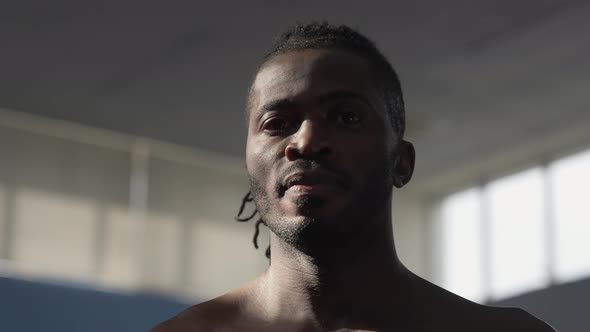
[320, 152]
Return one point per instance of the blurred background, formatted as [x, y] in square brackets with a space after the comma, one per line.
[122, 152]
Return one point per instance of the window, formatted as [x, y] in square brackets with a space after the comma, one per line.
[516, 221]
[570, 179]
[3, 223]
[462, 248]
[121, 261]
[211, 276]
[53, 235]
[518, 233]
[162, 257]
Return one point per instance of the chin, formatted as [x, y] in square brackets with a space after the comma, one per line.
[307, 210]
[315, 205]
[300, 214]
[311, 233]
[325, 215]
[310, 203]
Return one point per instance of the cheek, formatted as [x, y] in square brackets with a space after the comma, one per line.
[254, 163]
[254, 152]
[259, 163]
[371, 158]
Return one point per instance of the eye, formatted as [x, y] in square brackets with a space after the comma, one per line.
[347, 118]
[276, 124]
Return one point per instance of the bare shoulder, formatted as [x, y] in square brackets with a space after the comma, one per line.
[505, 319]
[212, 316]
[177, 324]
[217, 315]
[459, 314]
[516, 319]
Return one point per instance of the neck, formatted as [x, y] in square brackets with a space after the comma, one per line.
[321, 287]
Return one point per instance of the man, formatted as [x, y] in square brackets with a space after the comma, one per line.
[324, 150]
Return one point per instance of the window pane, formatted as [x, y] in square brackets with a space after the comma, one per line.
[57, 189]
[121, 266]
[571, 183]
[163, 244]
[53, 235]
[516, 233]
[3, 222]
[212, 240]
[462, 264]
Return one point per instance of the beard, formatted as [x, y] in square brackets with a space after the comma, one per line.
[311, 233]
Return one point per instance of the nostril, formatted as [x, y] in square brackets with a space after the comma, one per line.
[307, 151]
[292, 152]
[324, 150]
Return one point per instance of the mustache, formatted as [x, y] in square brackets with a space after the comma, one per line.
[303, 165]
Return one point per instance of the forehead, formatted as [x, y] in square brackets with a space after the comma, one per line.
[309, 73]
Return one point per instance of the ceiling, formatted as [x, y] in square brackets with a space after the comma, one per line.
[487, 83]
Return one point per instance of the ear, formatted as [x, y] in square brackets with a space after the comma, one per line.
[403, 167]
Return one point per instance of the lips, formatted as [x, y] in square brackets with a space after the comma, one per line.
[313, 181]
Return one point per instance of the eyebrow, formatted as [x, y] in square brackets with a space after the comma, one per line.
[343, 94]
[282, 103]
[288, 103]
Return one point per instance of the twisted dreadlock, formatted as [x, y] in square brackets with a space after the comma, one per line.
[248, 199]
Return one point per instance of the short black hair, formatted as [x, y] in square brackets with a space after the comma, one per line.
[322, 35]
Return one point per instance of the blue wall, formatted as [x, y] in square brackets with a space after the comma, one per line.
[27, 306]
[43, 306]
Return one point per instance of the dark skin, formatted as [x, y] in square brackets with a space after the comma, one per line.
[323, 158]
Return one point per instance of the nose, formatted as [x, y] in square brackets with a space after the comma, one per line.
[309, 142]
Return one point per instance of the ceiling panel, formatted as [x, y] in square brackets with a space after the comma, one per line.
[475, 73]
